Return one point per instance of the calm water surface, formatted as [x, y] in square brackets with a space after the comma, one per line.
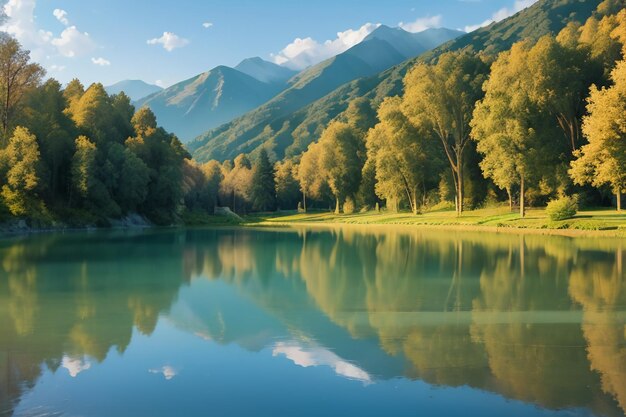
[330, 322]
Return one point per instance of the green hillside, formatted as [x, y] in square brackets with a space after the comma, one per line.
[289, 134]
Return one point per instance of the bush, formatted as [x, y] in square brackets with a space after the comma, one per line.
[349, 206]
[562, 208]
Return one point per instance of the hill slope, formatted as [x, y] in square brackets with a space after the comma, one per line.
[207, 100]
[374, 54]
[135, 89]
[290, 134]
[265, 71]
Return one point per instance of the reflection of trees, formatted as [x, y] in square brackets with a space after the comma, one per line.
[494, 311]
[78, 296]
[532, 356]
[598, 283]
[510, 325]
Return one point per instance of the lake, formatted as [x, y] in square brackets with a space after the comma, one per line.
[364, 321]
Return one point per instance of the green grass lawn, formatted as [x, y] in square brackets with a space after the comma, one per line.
[500, 217]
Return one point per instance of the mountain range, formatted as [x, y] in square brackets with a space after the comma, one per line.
[289, 122]
[209, 100]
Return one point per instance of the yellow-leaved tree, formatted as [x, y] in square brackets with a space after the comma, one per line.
[603, 160]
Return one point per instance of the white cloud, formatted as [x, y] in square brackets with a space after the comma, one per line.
[421, 24]
[501, 14]
[75, 365]
[61, 16]
[207, 25]
[319, 356]
[160, 83]
[169, 40]
[167, 371]
[101, 61]
[304, 52]
[43, 44]
[57, 68]
[73, 42]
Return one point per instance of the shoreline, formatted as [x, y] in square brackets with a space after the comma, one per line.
[589, 224]
[598, 223]
[572, 233]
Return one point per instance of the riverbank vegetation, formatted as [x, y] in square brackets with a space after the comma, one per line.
[541, 122]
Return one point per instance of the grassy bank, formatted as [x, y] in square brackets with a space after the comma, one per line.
[599, 222]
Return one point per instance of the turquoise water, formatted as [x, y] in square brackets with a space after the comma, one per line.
[328, 322]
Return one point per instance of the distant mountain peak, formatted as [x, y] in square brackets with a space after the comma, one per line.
[264, 71]
[135, 89]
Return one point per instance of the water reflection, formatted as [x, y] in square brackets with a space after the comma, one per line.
[536, 319]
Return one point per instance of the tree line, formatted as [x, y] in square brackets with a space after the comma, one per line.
[79, 155]
[540, 121]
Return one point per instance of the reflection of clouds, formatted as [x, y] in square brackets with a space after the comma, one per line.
[319, 356]
[204, 336]
[167, 371]
[75, 365]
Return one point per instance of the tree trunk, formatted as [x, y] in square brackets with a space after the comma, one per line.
[508, 191]
[337, 206]
[522, 208]
[619, 199]
[304, 201]
[460, 186]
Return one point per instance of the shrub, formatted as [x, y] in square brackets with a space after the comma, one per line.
[349, 206]
[562, 208]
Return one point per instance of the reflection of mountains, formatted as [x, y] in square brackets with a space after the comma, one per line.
[496, 312]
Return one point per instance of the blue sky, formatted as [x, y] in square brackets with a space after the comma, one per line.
[168, 41]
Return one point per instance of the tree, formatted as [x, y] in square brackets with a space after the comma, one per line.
[501, 124]
[17, 76]
[133, 182]
[237, 183]
[360, 116]
[557, 80]
[263, 187]
[213, 177]
[309, 176]
[43, 114]
[603, 160]
[72, 93]
[123, 114]
[400, 154]
[22, 179]
[95, 116]
[144, 121]
[442, 97]
[287, 186]
[91, 191]
[339, 161]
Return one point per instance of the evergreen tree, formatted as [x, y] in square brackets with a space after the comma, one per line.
[287, 186]
[263, 191]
